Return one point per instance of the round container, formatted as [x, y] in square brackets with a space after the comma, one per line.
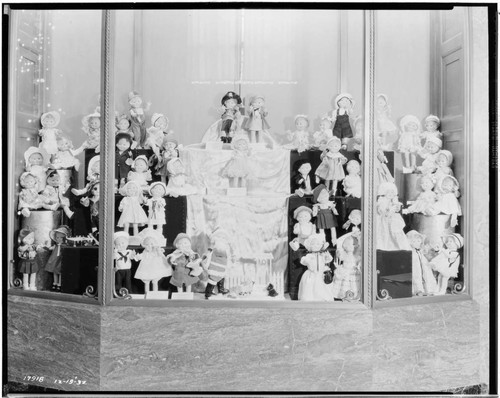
[433, 227]
[411, 187]
[42, 222]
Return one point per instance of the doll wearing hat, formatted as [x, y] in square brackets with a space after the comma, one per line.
[444, 160]
[140, 172]
[138, 117]
[325, 212]
[181, 261]
[54, 263]
[423, 280]
[447, 194]
[384, 126]
[177, 185]
[157, 132]
[123, 260]
[92, 127]
[430, 153]
[342, 126]
[29, 199]
[431, 124]
[91, 200]
[409, 141]
[54, 195]
[65, 157]
[231, 103]
[331, 169]
[156, 205]
[256, 121]
[169, 151]
[300, 137]
[447, 261]
[28, 262]
[37, 162]
[303, 228]
[216, 261]
[49, 131]
[301, 180]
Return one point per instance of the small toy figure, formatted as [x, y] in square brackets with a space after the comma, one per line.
[312, 286]
[170, 150]
[324, 210]
[93, 172]
[423, 280]
[29, 199]
[303, 228]
[140, 172]
[446, 263]
[156, 205]
[54, 263]
[122, 123]
[153, 265]
[324, 134]
[65, 157]
[123, 159]
[256, 121]
[431, 124]
[92, 200]
[157, 132]
[54, 194]
[430, 153]
[300, 137]
[347, 275]
[409, 142]
[331, 169]
[354, 221]
[237, 169]
[27, 252]
[37, 161]
[49, 131]
[130, 206]
[302, 181]
[123, 261]
[231, 115]
[183, 260]
[447, 194]
[138, 117]
[344, 105]
[382, 172]
[388, 222]
[384, 126]
[177, 185]
[216, 261]
[425, 200]
[444, 160]
[357, 140]
[352, 181]
[92, 127]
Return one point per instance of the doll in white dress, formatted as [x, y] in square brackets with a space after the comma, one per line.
[157, 132]
[347, 275]
[54, 196]
[447, 194]
[431, 124]
[331, 169]
[131, 208]
[256, 122]
[354, 222]
[389, 224]
[444, 160]
[237, 169]
[29, 199]
[447, 262]
[177, 184]
[426, 199]
[384, 126]
[324, 134]
[92, 127]
[312, 286]
[49, 131]
[156, 205]
[65, 157]
[303, 228]
[37, 162]
[300, 137]
[430, 153]
[352, 181]
[140, 172]
[409, 141]
[423, 280]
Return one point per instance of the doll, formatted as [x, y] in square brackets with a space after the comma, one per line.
[423, 280]
[92, 200]
[425, 200]
[312, 286]
[447, 194]
[181, 261]
[331, 170]
[156, 205]
[157, 132]
[237, 169]
[27, 252]
[54, 194]
[357, 140]
[130, 206]
[37, 161]
[347, 275]
[65, 157]
[256, 121]
[123, 261]
[92, 127]
[324, 210]
[300, 137]
[446, 263]
[140, 172]
[388, 222]
[302, 181]
[50, 132]
[123, 125]
[431, 124]
[354, 221]
[93, 172]
[29, 199]
[352, 181]
[430, 153]
[123, 159]
[303, 228]
[216, 261]
[54, 263]
[177, 185]
[324, 134]
[409, 141]
[383, 124]
[138, 117]
[230, 115]
[444, 160]
[152, 262]
[169, 150]
[344, 105]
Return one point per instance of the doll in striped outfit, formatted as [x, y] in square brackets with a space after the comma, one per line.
[216, 261]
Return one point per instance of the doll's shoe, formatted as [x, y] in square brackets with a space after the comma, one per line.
[26, 286]
[32, 287]
[58, 288]
[209, 290]
[53, 288]
[220, 287]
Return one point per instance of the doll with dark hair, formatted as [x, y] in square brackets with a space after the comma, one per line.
[123, 158]
[231, 103]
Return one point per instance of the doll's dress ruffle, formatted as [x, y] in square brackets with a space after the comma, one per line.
[132, 212]
[312, 286]
[151, 267]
